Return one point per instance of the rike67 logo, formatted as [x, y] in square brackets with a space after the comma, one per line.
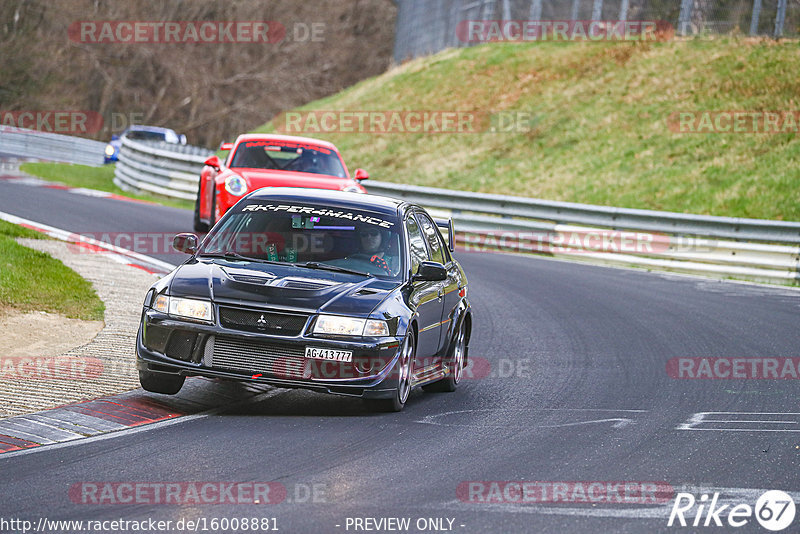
[774, 510]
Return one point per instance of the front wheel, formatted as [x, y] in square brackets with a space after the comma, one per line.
[161, 383]
[403, 368]
[213, 216]
[199, 226]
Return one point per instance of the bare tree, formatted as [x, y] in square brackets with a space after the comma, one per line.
[210, 92]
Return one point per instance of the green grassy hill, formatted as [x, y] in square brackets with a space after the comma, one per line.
[600, 132]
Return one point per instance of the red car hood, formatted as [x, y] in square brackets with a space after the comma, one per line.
[258, 179]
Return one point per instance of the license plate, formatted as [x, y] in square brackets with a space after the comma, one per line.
[329, 354]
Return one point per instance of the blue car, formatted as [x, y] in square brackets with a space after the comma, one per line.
[141, 133]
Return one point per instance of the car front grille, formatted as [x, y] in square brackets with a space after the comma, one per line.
[273, 323]
[252, 357]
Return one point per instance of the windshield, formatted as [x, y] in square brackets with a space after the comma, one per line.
[314, 236]
[288, 156]
[143, 135]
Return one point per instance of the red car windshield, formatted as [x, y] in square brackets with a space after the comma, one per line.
[288, 156]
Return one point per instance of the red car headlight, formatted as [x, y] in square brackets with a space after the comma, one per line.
[235, 185]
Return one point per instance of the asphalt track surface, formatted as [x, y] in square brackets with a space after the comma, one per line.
[578, 392]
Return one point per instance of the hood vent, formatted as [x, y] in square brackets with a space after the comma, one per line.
[363, 292]
[305, 283]
[289, 282]
[249, 279]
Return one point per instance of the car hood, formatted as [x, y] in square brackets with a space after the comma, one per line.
[266, 178]
[275, 285]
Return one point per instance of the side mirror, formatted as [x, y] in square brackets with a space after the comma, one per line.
[185, 243]
[226, 146]
[447, 225]
[361, 174]
[430, 271]
[213, 161]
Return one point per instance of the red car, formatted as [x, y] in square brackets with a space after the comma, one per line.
[266, 160]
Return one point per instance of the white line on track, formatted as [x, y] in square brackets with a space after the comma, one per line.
[70, 237]
[618, 422]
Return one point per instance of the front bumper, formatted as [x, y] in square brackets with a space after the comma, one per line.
[165, 345]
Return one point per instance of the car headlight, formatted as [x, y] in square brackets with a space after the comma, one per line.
[109, 150]
[350, 326]
[199, 310]
[352, 188]
[235, 185]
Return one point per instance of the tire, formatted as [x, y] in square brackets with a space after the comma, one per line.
[161, 383]
[199, 226]
[212, 216]
[457, 360]
[404, 369]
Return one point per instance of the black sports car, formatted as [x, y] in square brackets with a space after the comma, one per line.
[334, 292]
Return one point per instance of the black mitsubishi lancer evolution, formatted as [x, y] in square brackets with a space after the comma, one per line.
[335, 292]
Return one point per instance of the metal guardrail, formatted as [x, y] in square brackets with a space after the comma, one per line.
[51, 146]
[753, 249]
[161, 168]
[592, 215]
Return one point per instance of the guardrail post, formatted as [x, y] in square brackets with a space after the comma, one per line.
[797, 266]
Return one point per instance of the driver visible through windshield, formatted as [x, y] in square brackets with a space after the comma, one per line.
[310, 235]
[288, 156]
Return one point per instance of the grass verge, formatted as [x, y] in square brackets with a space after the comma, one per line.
[99, 178]
[34, 281]
[599, 130]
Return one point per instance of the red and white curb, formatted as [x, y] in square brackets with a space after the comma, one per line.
[121, 414]
[114, 252]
